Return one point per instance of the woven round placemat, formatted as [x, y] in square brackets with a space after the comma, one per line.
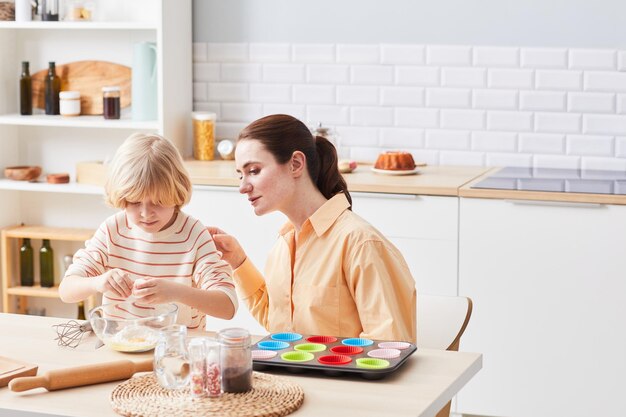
[270, 396]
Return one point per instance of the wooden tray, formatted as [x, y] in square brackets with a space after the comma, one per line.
[87, 77]
[12, 368]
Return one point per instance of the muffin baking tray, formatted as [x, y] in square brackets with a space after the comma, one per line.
[372, 359]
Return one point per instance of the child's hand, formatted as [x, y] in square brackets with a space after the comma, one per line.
[116, 282]
[155, 290]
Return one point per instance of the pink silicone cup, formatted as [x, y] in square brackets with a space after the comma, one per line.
[263, 354]
[384, 353]
[394, 345]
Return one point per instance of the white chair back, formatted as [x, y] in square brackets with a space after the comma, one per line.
[441, 320]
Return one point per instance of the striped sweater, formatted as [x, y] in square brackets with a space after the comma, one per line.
[184, 252]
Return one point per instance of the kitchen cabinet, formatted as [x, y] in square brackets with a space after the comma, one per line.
[64, 241]
[425, 230]
[549, 291]
[58, 143]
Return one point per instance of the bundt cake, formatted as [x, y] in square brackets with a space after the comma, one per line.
[395, 161]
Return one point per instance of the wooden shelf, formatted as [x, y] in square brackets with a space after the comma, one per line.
[34, 291]
[8, 255]
[45, 232]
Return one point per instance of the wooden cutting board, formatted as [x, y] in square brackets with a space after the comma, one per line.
[12, 368]
[87, 77]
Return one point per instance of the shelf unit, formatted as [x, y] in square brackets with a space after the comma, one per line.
[58, 143]
[9, 239]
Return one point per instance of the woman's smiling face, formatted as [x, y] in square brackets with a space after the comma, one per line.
[267, 184]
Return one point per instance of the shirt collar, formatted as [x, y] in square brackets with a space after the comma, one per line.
[325, 216]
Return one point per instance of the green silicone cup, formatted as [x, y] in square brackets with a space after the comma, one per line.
[295, 356]
[310, 347]
[372, 363]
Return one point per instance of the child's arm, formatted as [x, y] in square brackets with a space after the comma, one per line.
[158, 291]
[76, 288]
[89, 274]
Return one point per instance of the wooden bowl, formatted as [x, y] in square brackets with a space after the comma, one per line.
[22, 173]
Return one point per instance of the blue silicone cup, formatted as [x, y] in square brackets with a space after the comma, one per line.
[356, 341]
[287, 337]
[272, 345]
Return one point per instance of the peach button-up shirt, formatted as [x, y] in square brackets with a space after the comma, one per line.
[341, 277]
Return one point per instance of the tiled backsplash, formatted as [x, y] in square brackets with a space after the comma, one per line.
[467, 105]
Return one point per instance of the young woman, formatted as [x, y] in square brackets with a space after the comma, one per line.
[151, 252]
[330, 272]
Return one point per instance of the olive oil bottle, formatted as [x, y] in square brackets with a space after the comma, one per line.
[46, 264]
[26, 91]
[52, 88]
[27, 273]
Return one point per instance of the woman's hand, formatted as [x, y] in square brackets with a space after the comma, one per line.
[230, 249]
[156, 290]
[114, 281]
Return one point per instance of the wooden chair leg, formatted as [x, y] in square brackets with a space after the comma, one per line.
[445, 411]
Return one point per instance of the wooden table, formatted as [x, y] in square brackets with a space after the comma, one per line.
[426, 382]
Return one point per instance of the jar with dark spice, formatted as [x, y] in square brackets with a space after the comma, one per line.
[236, 360]
[111, 102]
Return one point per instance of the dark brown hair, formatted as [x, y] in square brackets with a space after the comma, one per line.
[282, 135]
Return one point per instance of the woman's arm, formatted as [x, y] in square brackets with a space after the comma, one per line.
[248, 280]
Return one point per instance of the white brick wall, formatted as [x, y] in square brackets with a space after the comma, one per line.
[447, 104]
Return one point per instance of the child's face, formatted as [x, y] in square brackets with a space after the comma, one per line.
[150, 217]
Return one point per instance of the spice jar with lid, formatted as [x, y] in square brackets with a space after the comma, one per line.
[111, 102]
[203, 135]
[236, 360]
[69, 103]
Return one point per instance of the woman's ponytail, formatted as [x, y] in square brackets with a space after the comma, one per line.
[329, 180]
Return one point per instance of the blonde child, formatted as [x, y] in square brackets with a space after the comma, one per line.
[151, 252]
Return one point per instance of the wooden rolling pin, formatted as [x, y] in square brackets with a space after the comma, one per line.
[81, 375]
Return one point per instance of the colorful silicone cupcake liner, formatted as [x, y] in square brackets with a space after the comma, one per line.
[310, 347]
[287, 337]
[394, 345]
[272, 345]
[346, 350]
[263, 354]
[322, 339]
[355, 341]
[371, 363]
[334, 360]
[384, 353]
[295, 356]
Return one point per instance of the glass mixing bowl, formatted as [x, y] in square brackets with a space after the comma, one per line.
[138, 334]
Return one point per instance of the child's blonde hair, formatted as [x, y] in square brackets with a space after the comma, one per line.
[147, 167]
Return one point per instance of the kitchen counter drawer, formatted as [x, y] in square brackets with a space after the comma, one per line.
[409, 216]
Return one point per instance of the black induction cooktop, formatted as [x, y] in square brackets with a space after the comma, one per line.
[556, 180]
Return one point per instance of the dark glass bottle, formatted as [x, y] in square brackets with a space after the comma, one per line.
[27, 273]
[26, 91]
[46, 264]
[51, 90]
[81, 311]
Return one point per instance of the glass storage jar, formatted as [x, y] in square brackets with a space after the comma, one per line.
[236, 360]
[111, 102]
[171, 363]
[203, 135]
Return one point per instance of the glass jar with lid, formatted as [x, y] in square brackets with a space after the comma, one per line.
[111, 102]
[236, 360]
[171, 361]
[203, 135]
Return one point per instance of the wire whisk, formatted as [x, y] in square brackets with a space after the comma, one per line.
[70, 334]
